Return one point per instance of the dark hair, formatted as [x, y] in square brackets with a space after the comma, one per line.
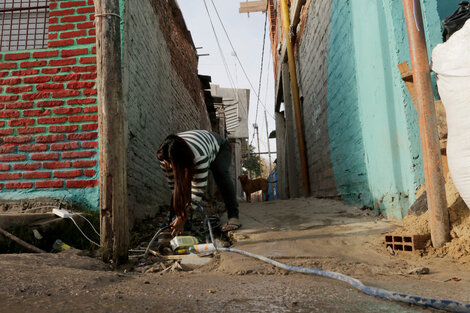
[178, 153]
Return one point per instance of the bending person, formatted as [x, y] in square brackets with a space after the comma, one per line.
[186, 159]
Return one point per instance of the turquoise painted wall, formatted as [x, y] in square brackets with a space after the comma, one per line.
[447, 7]
[380, 119]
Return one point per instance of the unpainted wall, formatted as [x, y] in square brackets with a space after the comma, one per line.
[161, 95]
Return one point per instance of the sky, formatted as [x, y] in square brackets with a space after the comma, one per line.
[246, 34]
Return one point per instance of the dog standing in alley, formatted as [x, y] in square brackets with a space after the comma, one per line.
[252, 185]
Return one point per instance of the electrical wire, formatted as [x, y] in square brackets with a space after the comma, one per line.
[70, 217]
[96, 232]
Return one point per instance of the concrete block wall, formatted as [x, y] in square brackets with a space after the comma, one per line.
[161, 95]
[48, 112]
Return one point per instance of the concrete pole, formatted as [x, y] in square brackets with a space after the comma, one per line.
[281, 156]
[112, 147]
[290, 141]
[435, 185]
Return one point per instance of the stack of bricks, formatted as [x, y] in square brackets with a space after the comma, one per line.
[48, 106]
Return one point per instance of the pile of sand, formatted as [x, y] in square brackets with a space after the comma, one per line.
[459, 218]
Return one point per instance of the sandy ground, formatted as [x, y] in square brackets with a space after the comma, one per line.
[323, 234]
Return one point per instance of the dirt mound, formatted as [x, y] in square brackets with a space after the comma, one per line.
[459, 218]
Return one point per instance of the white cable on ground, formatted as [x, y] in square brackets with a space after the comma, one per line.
[96, 232]
[83, 232]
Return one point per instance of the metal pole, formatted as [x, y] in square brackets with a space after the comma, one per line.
[435, 186]
[295, 96]
[259, 154]
[113, 173]
[267, 137]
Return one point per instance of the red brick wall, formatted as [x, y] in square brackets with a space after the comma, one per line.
[48, 108]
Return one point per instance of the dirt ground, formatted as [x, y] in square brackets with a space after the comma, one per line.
[323, 234]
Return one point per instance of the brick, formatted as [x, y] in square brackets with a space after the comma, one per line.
[70, 4]
[87, 127]
[61, 62]
[92, 17]
[86, 40]
[89, 144]
[52, 120]
[91, 109]
[25, 72]
[49, 184]
[30, 130]
[21, 122]
[49, 103]
[49, 87]
[19, 89]
[84, 163]
[89, 76]
[53, 20]
[82, 136]
[12, 157]
[10, 81]
[66, 77]
[81, 101]
[67, 174]
[89, 172]
[52, 36]
[33, 147]
[92, 32]
[4, 167]
[19, 105]
[65, 69]
[3, 74]
[9, 113]
[65, 93]
[81, 69]
[61, 27]
[81, 183]
[85, 25]
[26, 166]
[50, 70]
[36, 95]
[52, 5]
[9, 176]
[17, 56]
[77, 154]
[73, 34]
[73, 52]
[67, 110]
[7, 148]
[86, 10]
[50, 138]
[74, 18]
[82, 118]
[18, 185]
[27, 64]
[45, 156]
[64, 146]
[36, 79]
[91, 2]
[46, 54]
[63, 129]
[42, 112]
[60, 43]
[17, 139]
[62, 12]
[56, 165]
[2, 123]
[80, 85]
[93, 49]
[9, 98]
[5, 65]
[6, 132]
[36, 175]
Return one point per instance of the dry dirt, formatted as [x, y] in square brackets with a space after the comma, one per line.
[322, 234]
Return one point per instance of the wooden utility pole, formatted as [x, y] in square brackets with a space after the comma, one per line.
[434, 179]
[252, 6]
[113, 184]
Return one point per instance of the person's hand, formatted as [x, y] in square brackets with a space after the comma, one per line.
[177, 226]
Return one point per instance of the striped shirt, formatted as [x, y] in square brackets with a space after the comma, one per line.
[205, 145]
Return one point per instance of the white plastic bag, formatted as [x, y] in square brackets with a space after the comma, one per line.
[451, 63]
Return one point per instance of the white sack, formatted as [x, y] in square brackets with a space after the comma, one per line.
[451, 63]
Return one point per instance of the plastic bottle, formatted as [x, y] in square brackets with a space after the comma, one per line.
[181, 242]
[60, 246]
[205, 248]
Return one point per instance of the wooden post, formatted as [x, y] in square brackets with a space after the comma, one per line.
[113, 184]
[435, 186]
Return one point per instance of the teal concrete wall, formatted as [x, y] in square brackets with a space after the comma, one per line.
[374, 133]
[447, 7]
